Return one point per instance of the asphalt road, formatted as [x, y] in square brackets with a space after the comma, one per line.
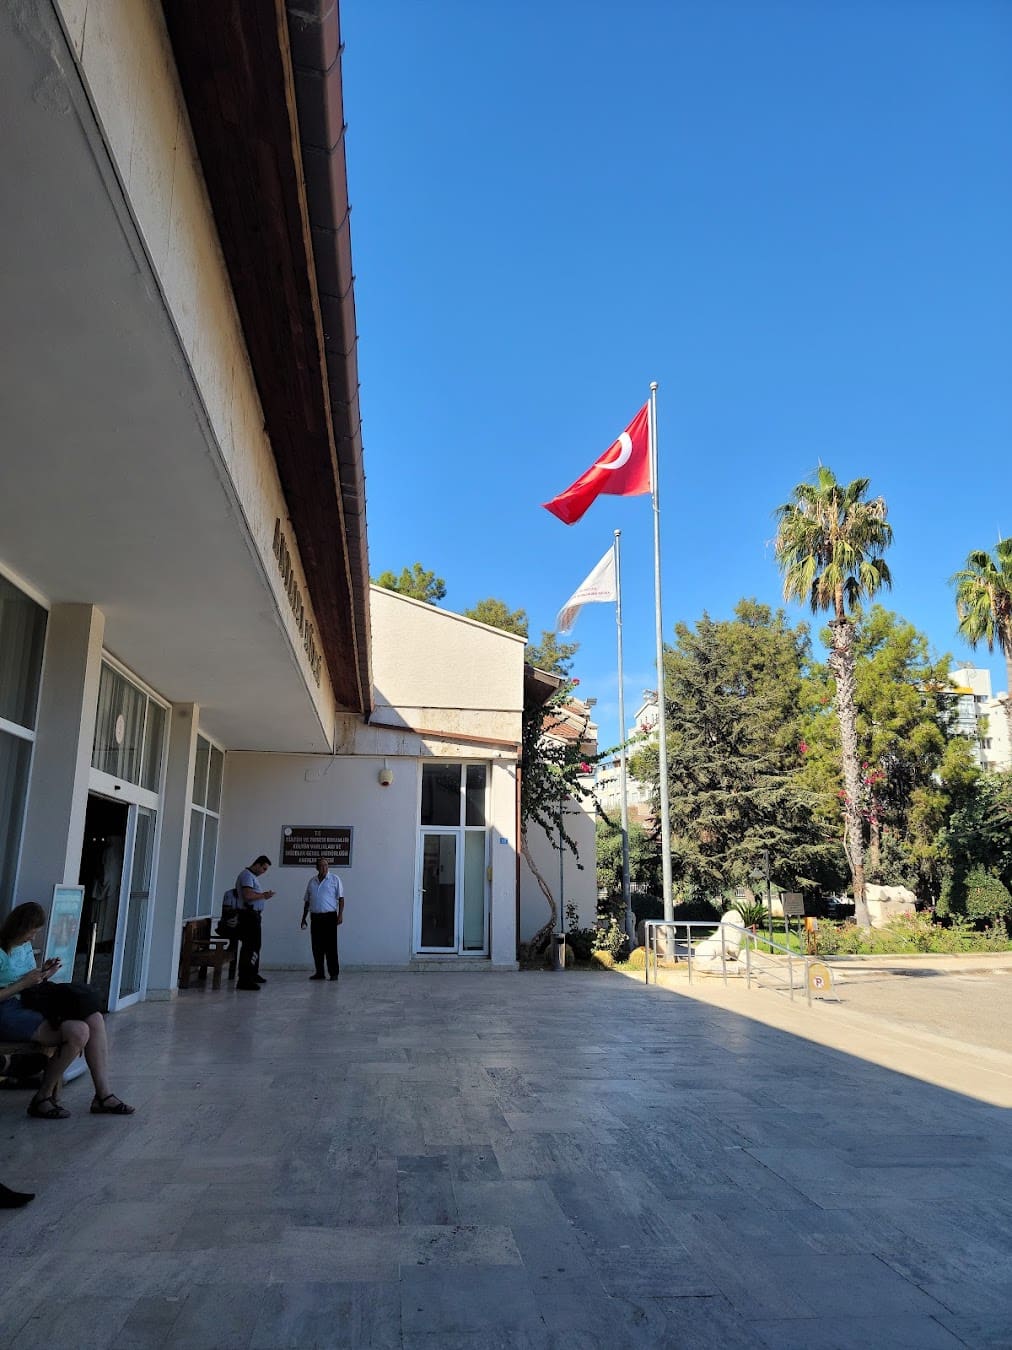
[971, 1007]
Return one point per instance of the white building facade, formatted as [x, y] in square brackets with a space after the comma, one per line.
[194, 669]
[980, 717]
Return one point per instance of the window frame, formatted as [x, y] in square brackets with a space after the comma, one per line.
[204, 812]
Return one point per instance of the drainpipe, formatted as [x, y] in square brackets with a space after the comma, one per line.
[518, 857]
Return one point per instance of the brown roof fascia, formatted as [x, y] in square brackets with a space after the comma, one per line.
[263, 91]
[539, 685]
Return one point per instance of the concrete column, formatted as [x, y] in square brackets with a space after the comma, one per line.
[173, 850]
[504, 864]
[61, 763]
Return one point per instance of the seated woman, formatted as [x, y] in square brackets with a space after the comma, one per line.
[18, 973]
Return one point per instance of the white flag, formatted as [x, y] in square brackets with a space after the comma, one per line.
[600, 585]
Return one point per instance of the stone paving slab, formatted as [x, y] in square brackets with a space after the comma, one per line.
[511, 1162]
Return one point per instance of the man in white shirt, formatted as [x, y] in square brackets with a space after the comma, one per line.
[324, 904]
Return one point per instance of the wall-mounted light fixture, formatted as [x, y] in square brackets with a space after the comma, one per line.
[386, 775]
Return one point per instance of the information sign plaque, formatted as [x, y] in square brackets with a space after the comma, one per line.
[301, 845]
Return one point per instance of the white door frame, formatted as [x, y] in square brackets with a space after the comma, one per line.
[459, 832]
[131, 796]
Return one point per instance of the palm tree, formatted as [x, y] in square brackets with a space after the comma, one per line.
[984, 606]
[829, 545]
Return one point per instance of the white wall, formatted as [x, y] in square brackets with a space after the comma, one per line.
[264, 793]
[1000, 755]
[436, 669]
[579, 886]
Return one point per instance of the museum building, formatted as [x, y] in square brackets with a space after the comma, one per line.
[194, 667]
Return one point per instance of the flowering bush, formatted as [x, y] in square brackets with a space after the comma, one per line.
[610, 938]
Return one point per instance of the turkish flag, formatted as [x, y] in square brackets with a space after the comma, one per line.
[622, 471]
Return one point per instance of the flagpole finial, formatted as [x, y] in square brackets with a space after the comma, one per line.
[617, 533]
[653, 386]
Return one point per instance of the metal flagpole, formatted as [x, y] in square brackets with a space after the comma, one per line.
[626, 897]
[662, 731]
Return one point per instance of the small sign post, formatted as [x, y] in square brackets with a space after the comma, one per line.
[793, 905]
[820, 980]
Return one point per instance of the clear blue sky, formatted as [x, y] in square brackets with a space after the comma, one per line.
[796, 217]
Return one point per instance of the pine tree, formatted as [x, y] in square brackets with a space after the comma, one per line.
[732, 694]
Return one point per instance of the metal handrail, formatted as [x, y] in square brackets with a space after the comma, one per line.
[751, 938]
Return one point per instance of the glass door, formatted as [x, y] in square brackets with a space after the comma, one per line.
[117, 864]
[451, 913]
[107, 828]
[439, 893]
[134, 925]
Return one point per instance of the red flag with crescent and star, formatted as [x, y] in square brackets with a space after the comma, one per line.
[622, 471]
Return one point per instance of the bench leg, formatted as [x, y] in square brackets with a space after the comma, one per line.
[216, 982]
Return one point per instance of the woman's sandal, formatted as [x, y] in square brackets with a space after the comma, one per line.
[118, 1108]
[47, 1108]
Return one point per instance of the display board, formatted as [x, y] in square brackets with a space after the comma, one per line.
[64, 926]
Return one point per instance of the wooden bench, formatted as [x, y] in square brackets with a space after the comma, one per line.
[23, 1048]
[202, 952]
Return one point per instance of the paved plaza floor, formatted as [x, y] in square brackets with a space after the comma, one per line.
[547, 1162]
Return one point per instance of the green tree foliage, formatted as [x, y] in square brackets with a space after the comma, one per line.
[644, 862]
[733, 706]
[552, 771]
[497, 614]
[978, 842]
[901, 717]
[829, 545]
[549, 654]
[552, 655]
[984, 605]
[415, 582]
[932, 805]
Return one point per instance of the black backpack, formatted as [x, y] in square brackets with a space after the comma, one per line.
[228, 924]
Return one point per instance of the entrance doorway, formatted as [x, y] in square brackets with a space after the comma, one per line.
[451, 895]
[105, 831]
[117, 858]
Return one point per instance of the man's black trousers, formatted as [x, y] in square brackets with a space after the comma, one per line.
[323, 931]
[251, 937]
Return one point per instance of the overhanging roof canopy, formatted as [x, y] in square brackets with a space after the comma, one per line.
[265, 105]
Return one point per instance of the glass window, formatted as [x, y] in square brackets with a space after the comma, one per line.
[119, 727]
[474, 892]
[154, 740]
[200, 772]
[440, 794]
[193, 856]
[22, 637]
[15, 757]
[476, 777]
[205, 801]
[205, 897]
[215, 768]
